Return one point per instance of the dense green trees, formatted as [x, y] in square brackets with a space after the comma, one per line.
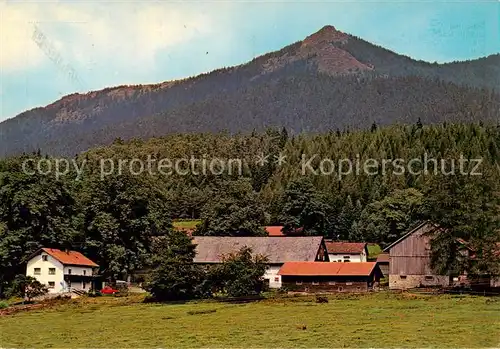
[467, 209]
[304, 209]
[388, 219]
[118, 217]
[233, 210]
[175, 276]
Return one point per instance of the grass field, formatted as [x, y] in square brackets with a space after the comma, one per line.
[379, 320]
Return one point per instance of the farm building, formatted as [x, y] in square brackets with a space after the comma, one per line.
[62, 271]
[278, 250]
[383, 263]
[330, 277]
[346, 251]
[410, 259]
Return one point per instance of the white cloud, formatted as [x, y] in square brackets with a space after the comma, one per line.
[17, 49]
[128, 35]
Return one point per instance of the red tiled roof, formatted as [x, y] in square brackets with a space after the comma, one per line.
[345, 247]
[70, 257]
[326, 269]
[275, 230]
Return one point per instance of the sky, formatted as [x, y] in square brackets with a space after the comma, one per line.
[49, 49]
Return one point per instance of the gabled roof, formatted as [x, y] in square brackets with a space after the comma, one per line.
[411, 231]
[69, 257]
[345, 247]
[210, 249]
[327, 269]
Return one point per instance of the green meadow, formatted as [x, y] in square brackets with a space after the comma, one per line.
[372, 320]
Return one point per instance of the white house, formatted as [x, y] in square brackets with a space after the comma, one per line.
[346, 251]
[62, 271]
[278, 250]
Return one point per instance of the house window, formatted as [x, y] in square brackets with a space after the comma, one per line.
[298, 282]
[44, 257]
[69, 271]
[340, 260]
[315, 282]
[402, 277]
[52, 271]
[429, 277]
[277, 279]
[358, 288]
[346, 261]
[84, 272]
[52, 284]
[83, 285]
[331, 283]
[340, 289]
[347, 257]
[37, 271]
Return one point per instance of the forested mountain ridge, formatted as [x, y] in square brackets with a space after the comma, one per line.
[329, 80]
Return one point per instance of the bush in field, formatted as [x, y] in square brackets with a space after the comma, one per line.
[176, 277]
[239, 274]
[3, 305]
[321, 299]
[26, 287]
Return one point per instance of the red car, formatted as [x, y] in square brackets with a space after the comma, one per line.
[109, 290]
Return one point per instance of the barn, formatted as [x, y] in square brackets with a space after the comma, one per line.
[330, 277]
[410, 259]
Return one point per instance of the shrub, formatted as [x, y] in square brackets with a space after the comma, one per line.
[197, 312]
[94, 294]
[3, 305]
[27, 287]
[239, 274]
[321, 299]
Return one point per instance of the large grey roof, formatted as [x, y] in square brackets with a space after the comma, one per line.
[210, 249]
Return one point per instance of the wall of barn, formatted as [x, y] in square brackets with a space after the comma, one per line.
[399, 282]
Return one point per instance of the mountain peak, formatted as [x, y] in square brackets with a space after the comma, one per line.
[326, 34]
[327, 29]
